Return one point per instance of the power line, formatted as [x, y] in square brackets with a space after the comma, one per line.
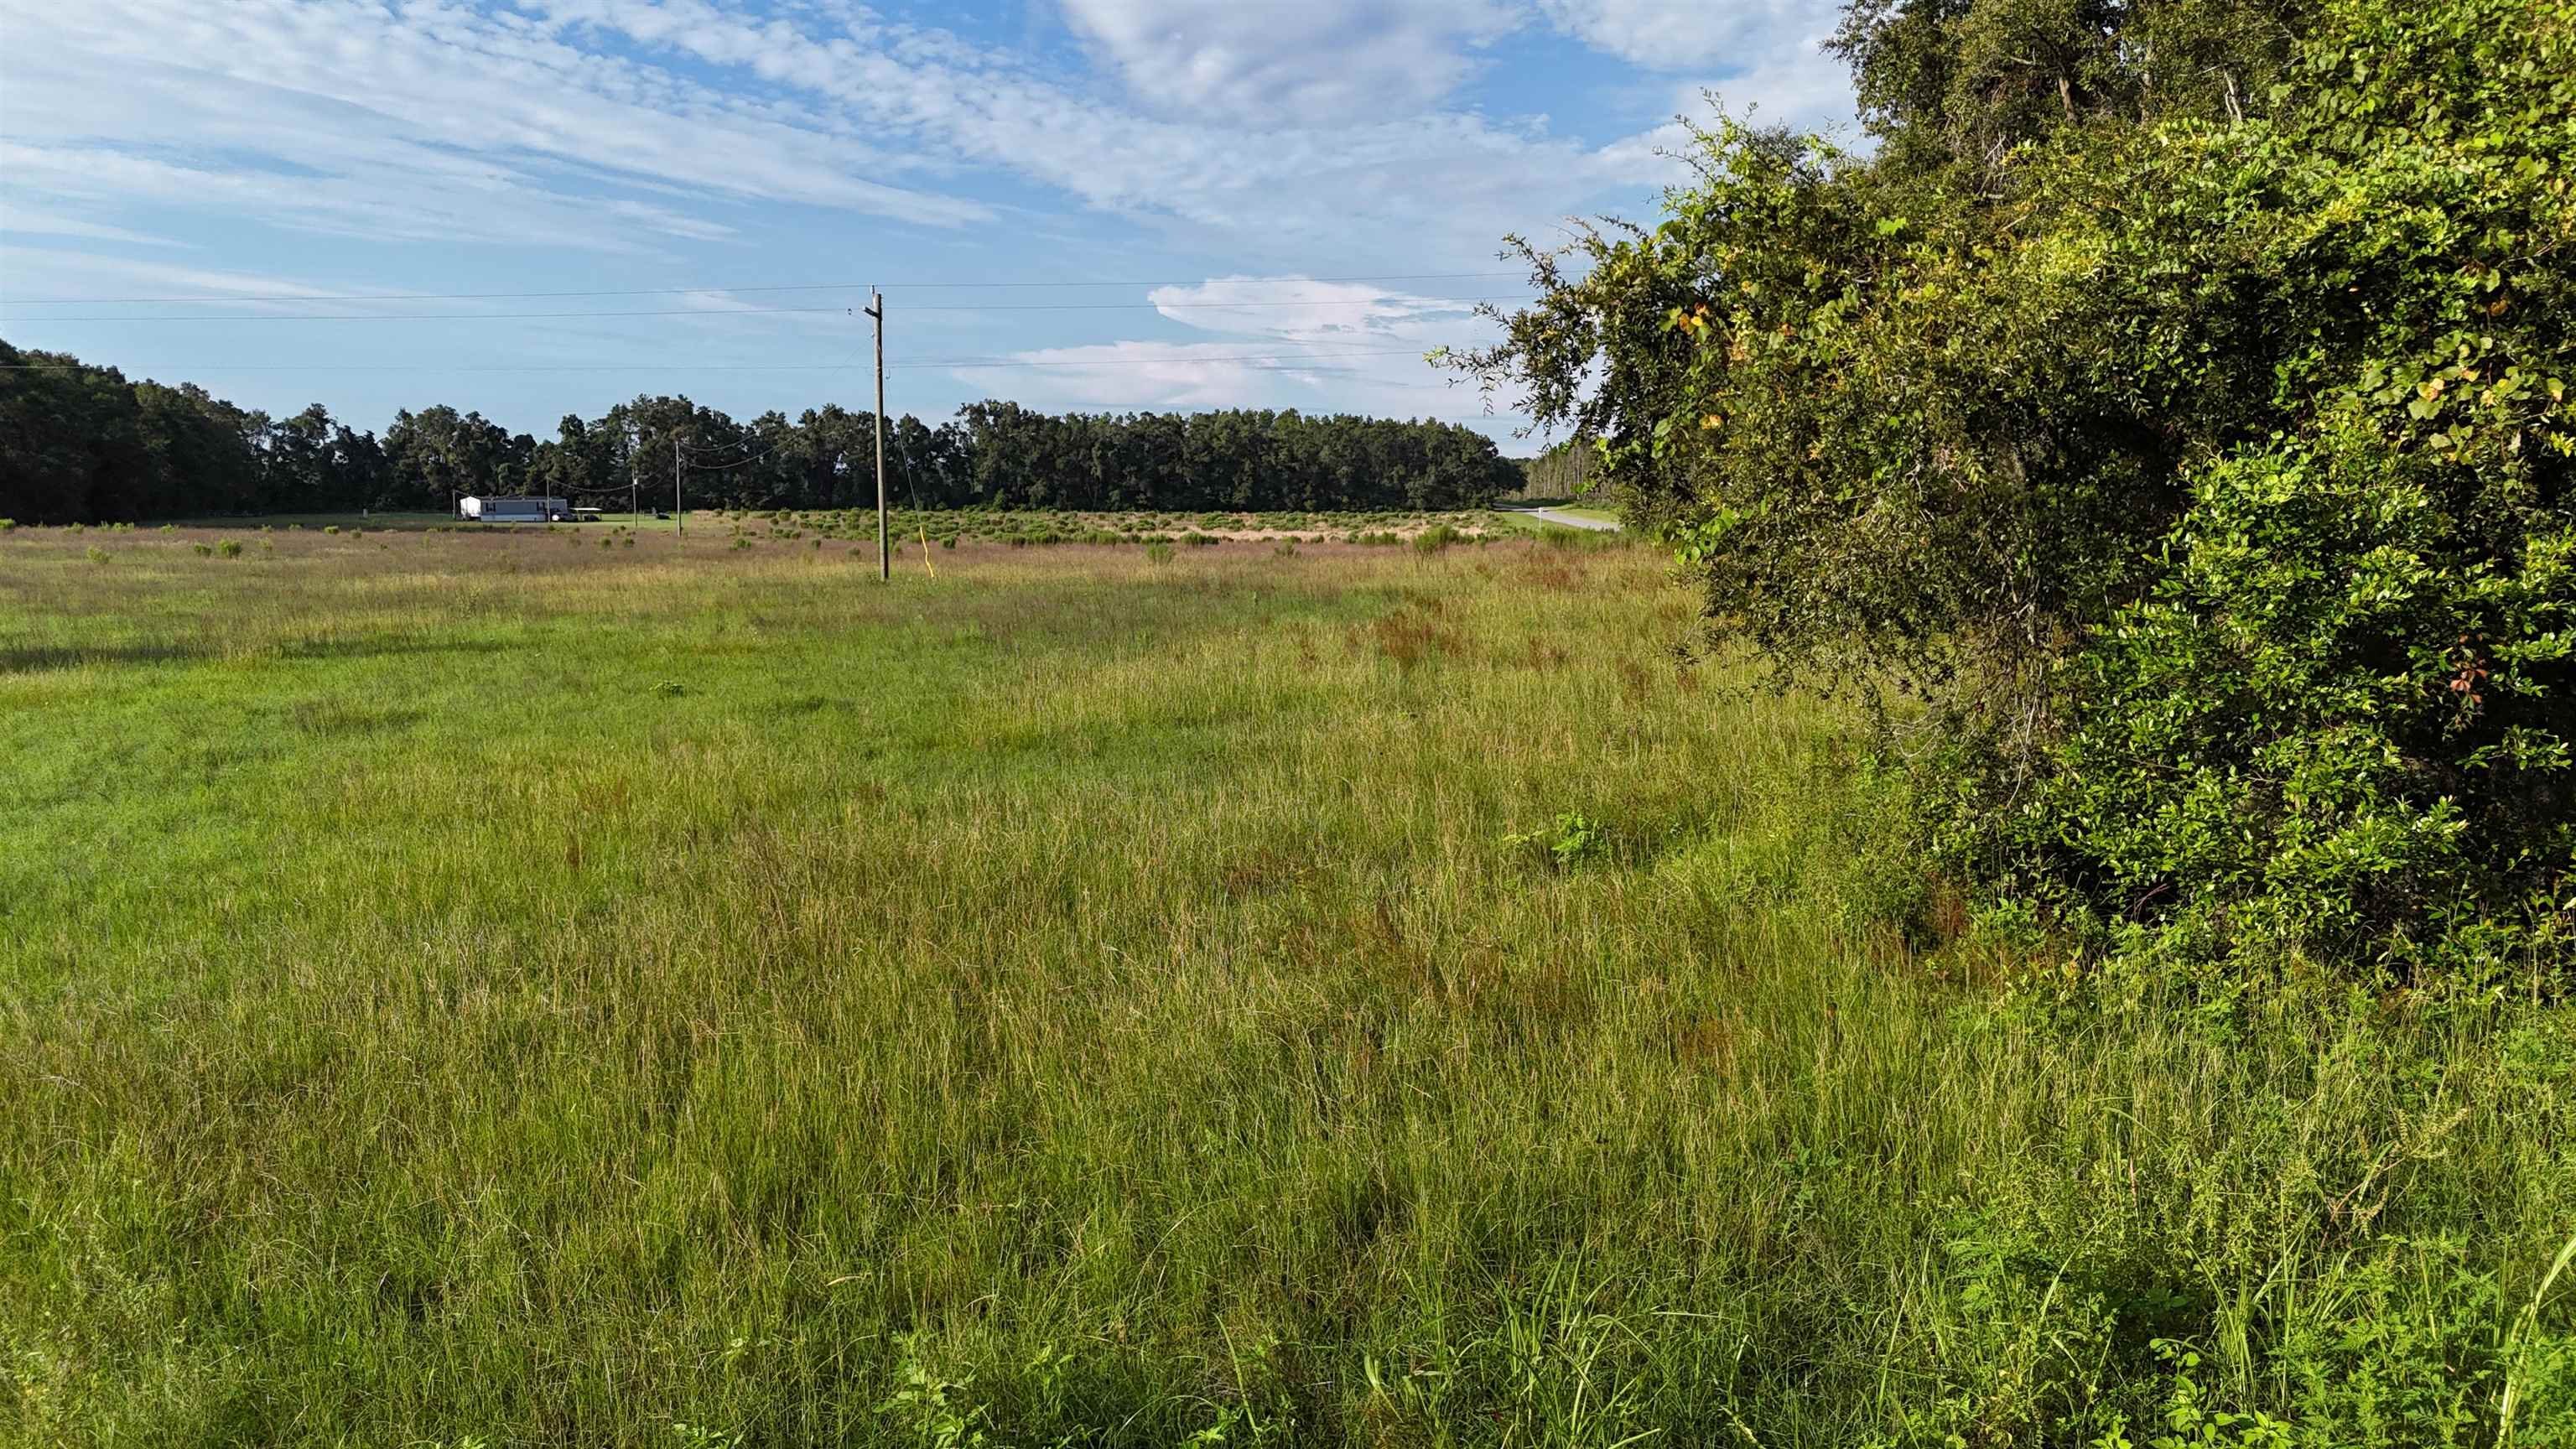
[918, 363]
[247, 298]
[704, 467]
[757, 311]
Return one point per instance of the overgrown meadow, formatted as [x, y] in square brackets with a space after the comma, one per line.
[506, 990]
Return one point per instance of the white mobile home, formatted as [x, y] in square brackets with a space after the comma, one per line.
[515, 510]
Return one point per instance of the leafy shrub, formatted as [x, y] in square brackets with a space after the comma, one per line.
[2341, 719]
[204, 550]
[2206, 477]
[97, 555]
[1567, 841]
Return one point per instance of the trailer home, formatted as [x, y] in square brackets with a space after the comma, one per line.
[515, 510]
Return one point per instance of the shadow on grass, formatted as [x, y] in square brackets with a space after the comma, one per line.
[37, 658]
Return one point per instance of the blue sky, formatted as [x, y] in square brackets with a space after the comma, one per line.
[1075, 203]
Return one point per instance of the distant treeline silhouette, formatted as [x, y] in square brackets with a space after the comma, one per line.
[82, 443]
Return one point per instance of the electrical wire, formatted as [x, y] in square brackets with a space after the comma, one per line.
[918, 364]
[758, 311]
[688, 462]
[250, 298]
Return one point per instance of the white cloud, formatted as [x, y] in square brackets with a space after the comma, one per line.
[32, 221]
[1319, 346]
[1765, 58]
[1804, 88]
[1691, 34]
[1800, 85]
[1269, 62]
[431, 124]
[1305, 310]
[1442, 182]
[93, 272]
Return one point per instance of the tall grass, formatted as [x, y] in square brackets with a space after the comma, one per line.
[481, 991]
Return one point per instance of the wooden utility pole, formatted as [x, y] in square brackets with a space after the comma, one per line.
[876, 314]
[679, 514]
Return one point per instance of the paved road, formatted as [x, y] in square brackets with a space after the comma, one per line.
[1570, 520]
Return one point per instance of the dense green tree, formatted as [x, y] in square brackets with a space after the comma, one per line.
[2203, 471]
[69, 447]
[438, 454]
[1967, 81]
[202, 454]
[78, 443]
[298, 473]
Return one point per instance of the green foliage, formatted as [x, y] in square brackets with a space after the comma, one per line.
[1964, 84]
[931, 1411]
[2341, 718]
[1568, 841]
[2203, 473]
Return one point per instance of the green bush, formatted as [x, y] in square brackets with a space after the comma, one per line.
[2203, 472]
[2340, 721]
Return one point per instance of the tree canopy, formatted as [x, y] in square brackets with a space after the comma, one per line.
[79, 443]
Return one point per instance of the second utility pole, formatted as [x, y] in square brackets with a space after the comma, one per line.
[876, 312]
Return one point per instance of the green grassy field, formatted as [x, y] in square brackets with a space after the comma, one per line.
[500, 990]
[940, 525]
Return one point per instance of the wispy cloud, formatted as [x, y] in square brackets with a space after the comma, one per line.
[431, 123]
[1291, 62]
[1321, 346]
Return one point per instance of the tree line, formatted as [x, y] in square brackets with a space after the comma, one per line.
[81, 443]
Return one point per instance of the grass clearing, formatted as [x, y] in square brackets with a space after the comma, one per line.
[474, 989]
[1018, 526]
